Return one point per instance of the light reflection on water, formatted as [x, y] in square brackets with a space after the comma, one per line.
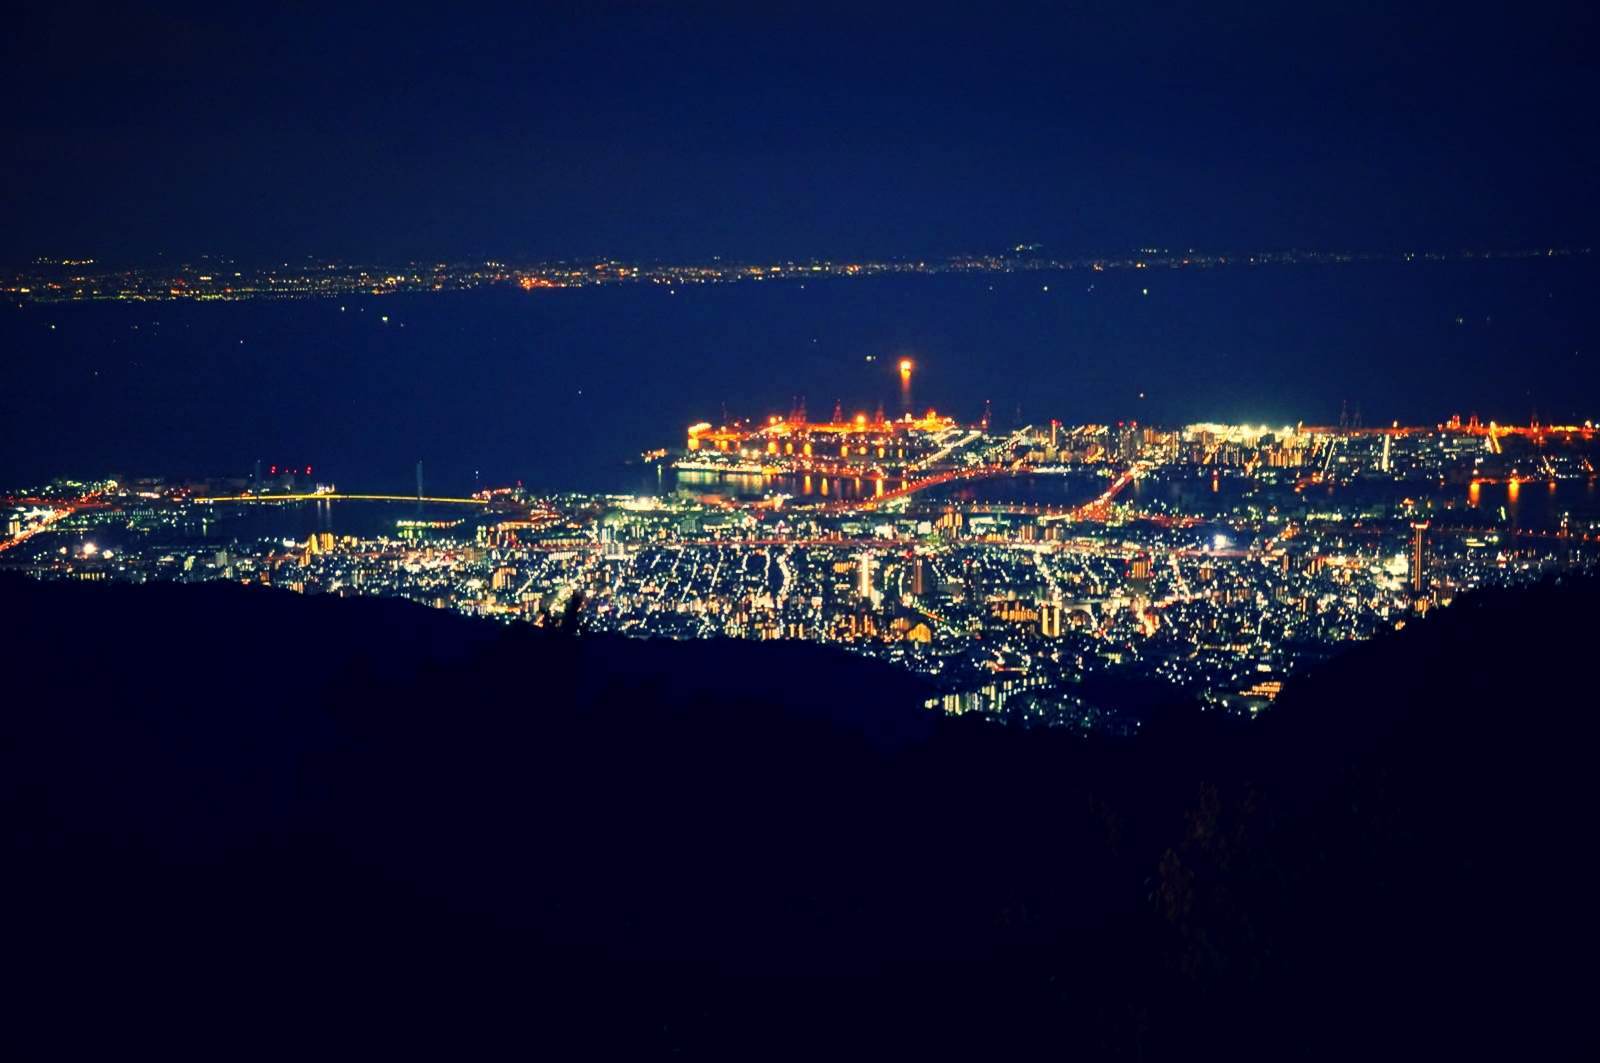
[757, 485]
[1197, 494]
[1530, 506]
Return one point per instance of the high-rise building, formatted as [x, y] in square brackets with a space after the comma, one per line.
[1050, 619]
[864, 577]
[1127, 441]
[1419, 558]
[919, 576]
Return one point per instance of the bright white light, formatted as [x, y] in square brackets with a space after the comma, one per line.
[1220, 542]
[89, 549]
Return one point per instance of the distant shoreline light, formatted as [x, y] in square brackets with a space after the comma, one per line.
[71, 279]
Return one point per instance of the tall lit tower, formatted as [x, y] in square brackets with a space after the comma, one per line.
[1050, 618]
[1419, 558]
[905, 385]
[864, 577]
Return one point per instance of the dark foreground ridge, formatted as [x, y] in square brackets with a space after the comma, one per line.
[239, 819]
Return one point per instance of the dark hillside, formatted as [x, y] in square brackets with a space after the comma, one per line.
[237, 817]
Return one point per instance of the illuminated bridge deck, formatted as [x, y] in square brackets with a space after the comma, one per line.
[338, 497]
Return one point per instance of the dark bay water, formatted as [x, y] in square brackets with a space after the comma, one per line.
[1535, 505]
[217, 526]
[560, 388]
[359, 518]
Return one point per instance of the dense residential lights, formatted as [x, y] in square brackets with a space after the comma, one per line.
[1003, 566]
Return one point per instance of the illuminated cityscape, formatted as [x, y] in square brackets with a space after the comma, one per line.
[776, 530]
[1029, 575]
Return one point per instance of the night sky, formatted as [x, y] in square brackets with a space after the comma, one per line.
[686, 130]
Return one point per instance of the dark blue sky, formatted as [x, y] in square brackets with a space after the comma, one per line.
[685, 130]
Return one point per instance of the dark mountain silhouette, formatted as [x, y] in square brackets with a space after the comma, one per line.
[243, 820]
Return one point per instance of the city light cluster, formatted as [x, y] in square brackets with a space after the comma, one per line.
[1023, 573]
